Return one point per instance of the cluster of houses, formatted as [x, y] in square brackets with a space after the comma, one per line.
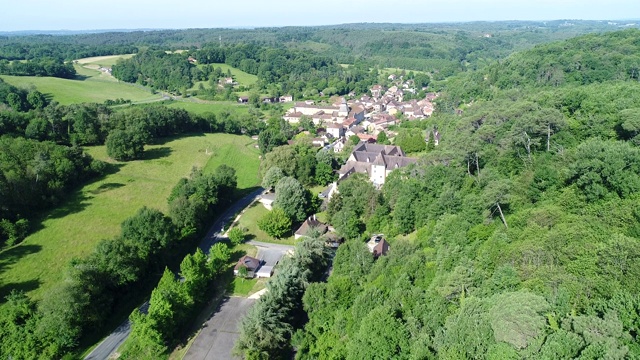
[256, 268]
[268, 99]
[364, 117]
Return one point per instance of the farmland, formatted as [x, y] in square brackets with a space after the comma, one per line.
[89, 86]
[96, 211]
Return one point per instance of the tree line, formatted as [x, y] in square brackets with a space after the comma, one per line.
[38, 67]
[60, 48]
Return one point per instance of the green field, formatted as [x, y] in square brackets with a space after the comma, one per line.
[243, 78]
[96, 211]
[212, 107]
[91, 86]
[106, 61]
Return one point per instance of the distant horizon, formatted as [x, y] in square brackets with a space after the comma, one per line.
[73, 15]
[101, 30]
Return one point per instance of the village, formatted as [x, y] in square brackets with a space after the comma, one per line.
[364, 117]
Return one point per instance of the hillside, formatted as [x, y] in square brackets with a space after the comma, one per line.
[579, 61]
[516, 237]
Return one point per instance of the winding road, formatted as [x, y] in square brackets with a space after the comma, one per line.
[112, 342]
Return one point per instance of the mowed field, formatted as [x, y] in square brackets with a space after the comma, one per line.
[90, 86]
[95, 212]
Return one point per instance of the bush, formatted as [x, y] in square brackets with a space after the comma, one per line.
[236, 236]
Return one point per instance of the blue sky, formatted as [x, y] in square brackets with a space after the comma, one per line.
[132, 14]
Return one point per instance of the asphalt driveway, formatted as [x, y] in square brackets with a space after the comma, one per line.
[218, 335]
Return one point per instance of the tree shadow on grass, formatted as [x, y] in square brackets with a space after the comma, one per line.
[106, 187]
[12, 255]
[74, 204]
[167, 139]
[81, 77]
[24, 286]
[156, 153]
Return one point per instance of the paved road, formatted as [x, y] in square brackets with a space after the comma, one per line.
[218, 335]
[119, 335]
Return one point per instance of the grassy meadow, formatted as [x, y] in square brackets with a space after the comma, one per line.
[243, 78]
[90, 86]
[106, 61]
[211, 107]
[95, 211]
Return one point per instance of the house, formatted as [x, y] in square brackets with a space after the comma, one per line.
[228, 81]
[376, 91]
[378, 246]
[377, 161]
[250, 263]
[335, 130]
[339, 145]
[309, 224]
[192, 60]
[267, 200]
[243, 99]
[354, 130]
[294, 117]
[319, 142]
[391, 77]
[286, 98]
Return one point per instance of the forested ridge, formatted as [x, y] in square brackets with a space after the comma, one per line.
[517, 237]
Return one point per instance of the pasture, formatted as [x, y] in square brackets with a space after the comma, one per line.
[106, 61]
[243, 78]
[89, 86]
[95, 211]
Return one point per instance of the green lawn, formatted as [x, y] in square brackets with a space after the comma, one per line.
[245, 287]
[96, 211]
[90, 86]
[249, 221]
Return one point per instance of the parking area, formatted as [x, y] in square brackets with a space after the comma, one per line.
[271, 254]
[218, 335]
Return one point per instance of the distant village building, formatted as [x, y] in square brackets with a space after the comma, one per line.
[286, 98]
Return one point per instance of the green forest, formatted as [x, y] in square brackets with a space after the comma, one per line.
[516, 237]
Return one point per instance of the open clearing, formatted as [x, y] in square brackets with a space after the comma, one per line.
[243, 78]
[95, 212]
[90, 86]
[105, 61]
